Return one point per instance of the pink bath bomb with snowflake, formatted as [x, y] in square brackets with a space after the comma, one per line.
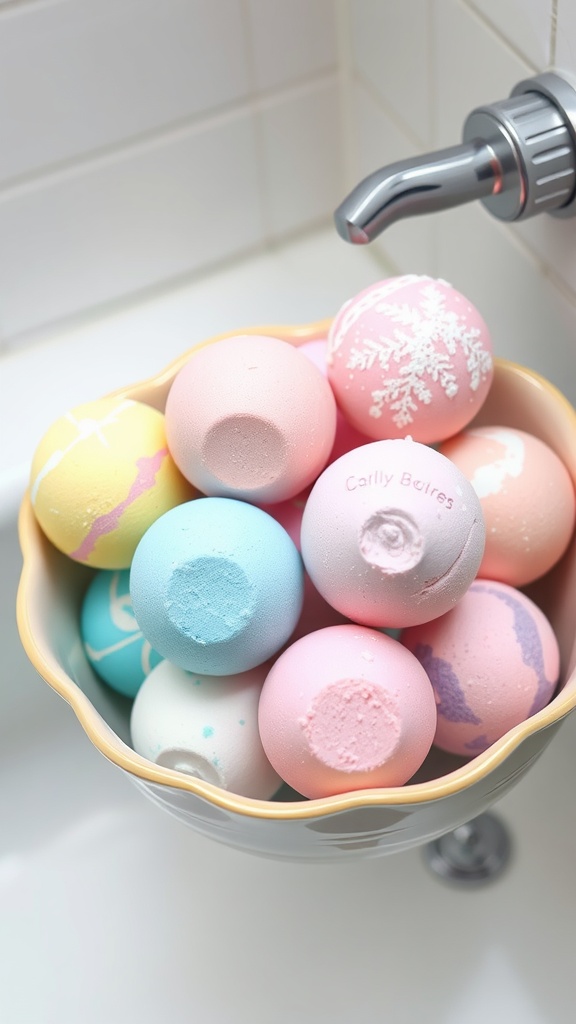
[346, 708]
[410, 356]
[493, 661]
[250, 417]
[392, 534]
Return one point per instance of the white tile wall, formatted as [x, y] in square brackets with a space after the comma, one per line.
[82, 75]
[300, 150]
[525, 25]
[129, 222]
[382, 35]
[291, 40]
[144, 140]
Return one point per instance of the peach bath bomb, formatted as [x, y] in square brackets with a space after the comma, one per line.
[101, 475]
[392, 534]
[250, 417]
[493, 661]
[346, 708]
[409, 356]
[527, 500]
[205, 727]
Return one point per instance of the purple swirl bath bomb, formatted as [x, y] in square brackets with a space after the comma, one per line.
[392, 534]
[216, 586]
[493, 661]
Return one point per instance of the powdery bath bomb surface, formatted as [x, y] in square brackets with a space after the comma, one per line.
[493, 661]
[217, 586]
[250, 417]
[206, 727]
[101, 475]
[346, 708]
[316, 612]
[346, 437]
[527, 499]
[114, 643]
[409, 356]
[392, 534]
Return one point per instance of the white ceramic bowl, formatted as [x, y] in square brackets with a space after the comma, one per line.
[369, 823]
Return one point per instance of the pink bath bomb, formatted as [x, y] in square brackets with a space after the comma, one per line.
[493, 661]
[392, 534]
[250, 417]
[527, 499]
[346, 437]
[409, 356]
[346, 708]
[316, 612]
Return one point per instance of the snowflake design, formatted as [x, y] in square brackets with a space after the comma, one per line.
[422, 345]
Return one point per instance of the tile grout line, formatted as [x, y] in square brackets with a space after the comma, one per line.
[126, 148]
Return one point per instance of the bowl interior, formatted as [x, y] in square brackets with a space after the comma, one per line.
[52, 586]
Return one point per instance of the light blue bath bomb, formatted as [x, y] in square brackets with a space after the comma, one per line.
[114, 643]
[217, 586]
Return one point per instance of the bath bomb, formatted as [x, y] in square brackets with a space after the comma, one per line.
[346, 708]
[316, 612]
[527, 499]
[205, 727]
[409, 355]
[113, 641]
[100, 476]
[346, 437]
[217, 586]
[493, 661]
[392, 534]
[250, 417]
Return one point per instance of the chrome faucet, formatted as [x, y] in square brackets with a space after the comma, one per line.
[518, 156]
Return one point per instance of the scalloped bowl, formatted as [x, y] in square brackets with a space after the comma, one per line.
[445, 793]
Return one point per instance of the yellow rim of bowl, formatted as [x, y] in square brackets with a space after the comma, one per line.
[115, 750]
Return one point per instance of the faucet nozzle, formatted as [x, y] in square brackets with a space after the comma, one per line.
[518, 156]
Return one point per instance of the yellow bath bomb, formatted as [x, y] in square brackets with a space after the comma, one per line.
[101, 475]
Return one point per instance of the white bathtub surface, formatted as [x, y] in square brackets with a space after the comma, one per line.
[113, 913]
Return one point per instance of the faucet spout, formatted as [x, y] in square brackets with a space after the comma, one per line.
[518, 156]
[435, 181]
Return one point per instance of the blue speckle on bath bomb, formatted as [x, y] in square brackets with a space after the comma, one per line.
[113, 641]
[217, 586]
[207, 731]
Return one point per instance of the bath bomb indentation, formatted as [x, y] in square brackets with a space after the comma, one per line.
[250, 417]
[392, 534]
[344, 709]
[206, 727]
[217, 586]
